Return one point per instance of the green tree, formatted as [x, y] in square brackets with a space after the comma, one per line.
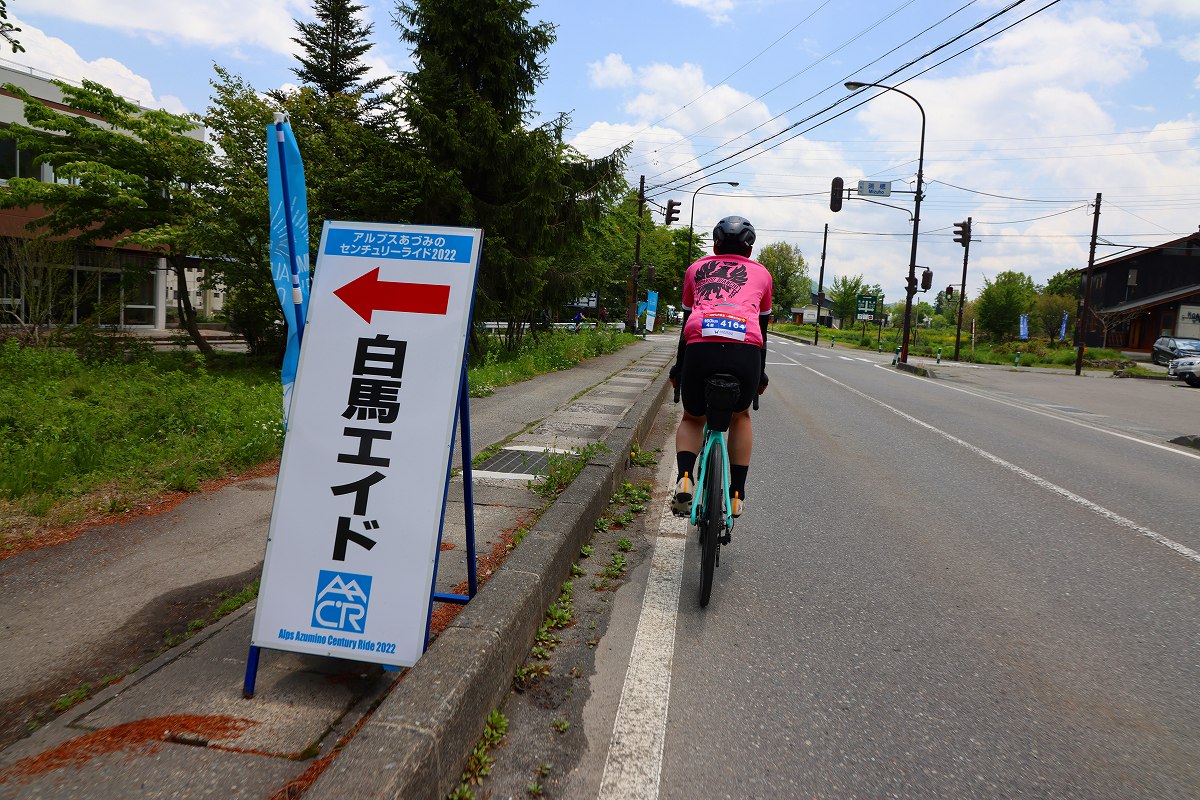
[135, 177]
[333, 47]
[7, 29]
[1047, 314]
[791, 287]
[238, 230]
[1064, 283]
[843, 298]
[1003, 301]
[355, 166]
[478, 63]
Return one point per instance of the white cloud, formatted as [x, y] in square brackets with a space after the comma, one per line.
[716, 10]
[1189, 48]
[611, 72]
[58, 59]
[682, 98]
[215, 23]
[1074, 52]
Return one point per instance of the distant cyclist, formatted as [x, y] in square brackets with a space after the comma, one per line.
[726, 305]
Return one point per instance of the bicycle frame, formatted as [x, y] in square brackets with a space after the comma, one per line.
[712, 439]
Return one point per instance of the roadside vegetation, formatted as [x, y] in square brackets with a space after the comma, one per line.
[925, 342]
[98, 429]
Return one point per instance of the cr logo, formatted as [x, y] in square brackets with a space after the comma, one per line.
[341, 601]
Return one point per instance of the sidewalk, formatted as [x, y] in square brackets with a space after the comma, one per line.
[180, 728]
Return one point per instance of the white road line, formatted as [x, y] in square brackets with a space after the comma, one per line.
[1112, 516]
[845, 358]
[820, 355]
[1080, 423]
[859, 358]
[633, 766]
[791, 361]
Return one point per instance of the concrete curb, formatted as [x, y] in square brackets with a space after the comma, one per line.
[417, 741]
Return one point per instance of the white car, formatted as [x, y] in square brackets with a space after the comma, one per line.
[1186, 368]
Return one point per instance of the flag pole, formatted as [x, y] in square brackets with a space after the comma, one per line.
[297, 296]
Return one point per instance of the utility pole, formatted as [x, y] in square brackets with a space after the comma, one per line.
[821, 286]
[1080, 326]
[962, 292]
[631, 285]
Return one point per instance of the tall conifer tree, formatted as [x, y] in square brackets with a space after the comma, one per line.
[333, 45]
[478, 63]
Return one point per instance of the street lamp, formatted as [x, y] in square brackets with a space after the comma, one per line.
[692, 215]
[912, 258]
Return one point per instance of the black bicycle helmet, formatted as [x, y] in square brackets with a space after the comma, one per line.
[734, 233]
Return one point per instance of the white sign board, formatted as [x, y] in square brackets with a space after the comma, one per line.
[875, 188]
[354, 531]
[1189, 322]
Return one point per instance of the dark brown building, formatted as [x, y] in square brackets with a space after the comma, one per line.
[1140, 296]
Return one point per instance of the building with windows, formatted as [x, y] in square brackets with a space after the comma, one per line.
[117, 285]
[1139, 296]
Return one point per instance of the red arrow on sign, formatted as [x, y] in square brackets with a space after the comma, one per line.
[367, 294]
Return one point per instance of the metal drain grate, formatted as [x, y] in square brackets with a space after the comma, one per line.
[516, 461]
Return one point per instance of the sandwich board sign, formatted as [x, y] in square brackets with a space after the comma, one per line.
[353, 542]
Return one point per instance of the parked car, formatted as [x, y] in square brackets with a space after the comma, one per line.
[1168, 347]
[1186, 368]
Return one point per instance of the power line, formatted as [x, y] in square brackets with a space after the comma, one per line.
[706, 174]
[1001, 196]
[837, 49]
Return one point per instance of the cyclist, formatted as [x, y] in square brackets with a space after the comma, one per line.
[726, 305]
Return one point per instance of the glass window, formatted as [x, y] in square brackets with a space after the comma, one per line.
[8, 159]
[139, 315]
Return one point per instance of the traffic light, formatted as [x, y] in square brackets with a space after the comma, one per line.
[926, 279]
[949, 292]
[672, 211]
[835, 195]
[962, 232]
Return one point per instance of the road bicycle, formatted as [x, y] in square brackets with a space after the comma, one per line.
[711, 507]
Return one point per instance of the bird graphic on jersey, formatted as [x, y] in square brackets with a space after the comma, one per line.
[718, 280]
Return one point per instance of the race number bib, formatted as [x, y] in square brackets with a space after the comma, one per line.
[726, 325]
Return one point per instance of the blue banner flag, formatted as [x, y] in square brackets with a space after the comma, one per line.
[1062, 332]
[1024, 327]
[289, 243]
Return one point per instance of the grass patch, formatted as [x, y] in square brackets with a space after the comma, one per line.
[549, 352]
[229, 602]
[562, 468]
[925, 342]
[85, 432]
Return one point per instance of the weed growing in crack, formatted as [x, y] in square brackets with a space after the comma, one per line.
[616, 568]
[480, 762]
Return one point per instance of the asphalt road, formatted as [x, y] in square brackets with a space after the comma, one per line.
[977, 586]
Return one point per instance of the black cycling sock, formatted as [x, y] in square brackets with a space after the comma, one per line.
[685, 462]
[737, 479]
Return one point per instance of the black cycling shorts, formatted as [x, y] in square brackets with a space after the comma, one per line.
[742, 361]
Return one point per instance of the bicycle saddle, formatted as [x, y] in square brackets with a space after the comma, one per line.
[721, 393]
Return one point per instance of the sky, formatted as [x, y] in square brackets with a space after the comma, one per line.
[1026, 110]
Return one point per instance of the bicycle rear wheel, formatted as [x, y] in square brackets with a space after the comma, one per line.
[712, 522]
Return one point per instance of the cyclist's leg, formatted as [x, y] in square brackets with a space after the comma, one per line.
[747, 368]
[741, 438]
[689, 435]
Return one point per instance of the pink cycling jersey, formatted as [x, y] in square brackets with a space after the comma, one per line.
[725, 295]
